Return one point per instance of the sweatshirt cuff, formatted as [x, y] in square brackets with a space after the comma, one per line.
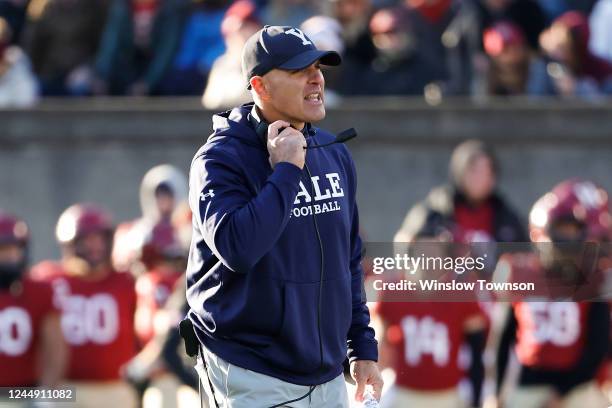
[286, 175]
[365, 350]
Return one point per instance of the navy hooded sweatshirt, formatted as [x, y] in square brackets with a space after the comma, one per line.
[253, 276]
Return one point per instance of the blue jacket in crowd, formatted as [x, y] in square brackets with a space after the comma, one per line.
[253, 277]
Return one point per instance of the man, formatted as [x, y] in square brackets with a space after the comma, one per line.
[422, 340]
[509, 59]
[423, 346]
[559, 341]
[224, 87]
[569, 68]
[61, 38]
[97, 305]
[32, 352]
[470, 205]
[274, 276]
[162, 190]
[165, 260]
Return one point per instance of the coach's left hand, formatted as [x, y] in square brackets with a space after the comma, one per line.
[366, 372]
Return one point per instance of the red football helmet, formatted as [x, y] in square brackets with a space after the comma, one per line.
[81, 219]
[13, 230]
[574, 199]
[160, 242]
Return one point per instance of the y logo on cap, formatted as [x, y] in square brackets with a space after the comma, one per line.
[300, 35]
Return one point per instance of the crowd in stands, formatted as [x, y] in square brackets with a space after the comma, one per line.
[475, 48]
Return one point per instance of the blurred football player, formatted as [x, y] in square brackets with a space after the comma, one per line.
[559, 342]
[97, 305]
[422, 341]
[32, 350]
[165, 260]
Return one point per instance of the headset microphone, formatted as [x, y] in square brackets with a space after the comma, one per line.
[342, 137]
[346, 135]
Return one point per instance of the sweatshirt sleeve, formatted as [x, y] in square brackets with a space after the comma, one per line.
[239, 226]
[361, 342]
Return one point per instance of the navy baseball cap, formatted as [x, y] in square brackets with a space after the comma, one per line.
[281, 47]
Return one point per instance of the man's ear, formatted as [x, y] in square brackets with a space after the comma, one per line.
[259, 85]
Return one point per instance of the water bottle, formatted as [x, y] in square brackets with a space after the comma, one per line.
[368, 401]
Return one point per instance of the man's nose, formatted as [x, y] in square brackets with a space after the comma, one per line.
[316, 76]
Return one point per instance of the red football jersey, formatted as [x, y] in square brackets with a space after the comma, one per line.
[97, 320]
[22, 313]
[474, 224]
[152, 289]
[550, 334]
[426, 338]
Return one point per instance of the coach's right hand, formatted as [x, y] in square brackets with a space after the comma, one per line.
[287, 145]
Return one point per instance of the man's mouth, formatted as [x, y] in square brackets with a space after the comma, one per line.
[314, 98]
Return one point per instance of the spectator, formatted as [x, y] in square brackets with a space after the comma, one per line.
[200, 44]
[430, 19]
[467, 64]
[326, 33]
[290, 12]
[354, 17]
[509, 59]
[570, 68]
[469, 206]
[527, 14]
[601, 30]
[463, 49]
[14, 12]
[137, 46]
[17, 83]
[359, 51]
[226, 86]
[399, 67]
[61, 38]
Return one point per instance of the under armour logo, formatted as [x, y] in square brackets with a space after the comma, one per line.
[209, 194]
[300, 35]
